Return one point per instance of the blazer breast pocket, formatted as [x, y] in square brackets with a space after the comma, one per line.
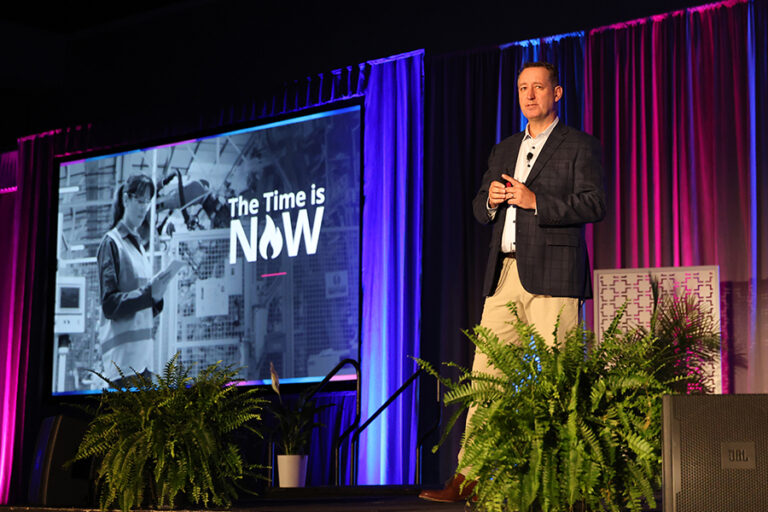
[562, 239]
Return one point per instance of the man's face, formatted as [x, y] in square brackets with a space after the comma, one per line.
[537, 94]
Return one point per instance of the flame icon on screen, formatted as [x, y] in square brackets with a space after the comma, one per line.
[270, 237]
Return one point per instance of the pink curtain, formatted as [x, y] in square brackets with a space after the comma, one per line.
[672, 98]
[27, 227]
[9, 352]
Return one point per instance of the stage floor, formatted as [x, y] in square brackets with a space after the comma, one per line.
[316, 499]
[382, 504]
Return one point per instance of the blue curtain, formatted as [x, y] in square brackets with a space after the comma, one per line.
[392, 219]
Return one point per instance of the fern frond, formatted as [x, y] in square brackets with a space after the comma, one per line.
[575, 424]
[170, 438]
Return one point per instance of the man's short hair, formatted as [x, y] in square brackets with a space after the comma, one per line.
[546, 65]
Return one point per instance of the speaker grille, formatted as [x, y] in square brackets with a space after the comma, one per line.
[705, 423]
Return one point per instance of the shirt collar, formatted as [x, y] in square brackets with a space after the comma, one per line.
[542, 135]
[124, 231]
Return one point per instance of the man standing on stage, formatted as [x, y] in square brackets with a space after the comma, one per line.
[541, 188]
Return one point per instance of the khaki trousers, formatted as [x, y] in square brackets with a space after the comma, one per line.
[538, 310]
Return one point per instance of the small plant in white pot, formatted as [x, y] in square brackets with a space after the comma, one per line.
[295, 422]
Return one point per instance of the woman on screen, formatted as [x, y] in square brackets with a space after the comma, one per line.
[130, 294]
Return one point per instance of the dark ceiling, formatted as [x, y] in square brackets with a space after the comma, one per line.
[71, 17]
[75, 62]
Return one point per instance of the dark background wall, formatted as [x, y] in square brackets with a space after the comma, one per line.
[69, 63]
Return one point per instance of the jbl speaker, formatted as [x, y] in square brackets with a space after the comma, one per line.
[715, 453]
[50, 483]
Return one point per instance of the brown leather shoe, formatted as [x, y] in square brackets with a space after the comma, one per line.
[451, 492]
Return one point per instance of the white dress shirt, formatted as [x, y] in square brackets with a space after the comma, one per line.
[526, 158]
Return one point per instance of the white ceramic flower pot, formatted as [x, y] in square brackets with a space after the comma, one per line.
[292, 470]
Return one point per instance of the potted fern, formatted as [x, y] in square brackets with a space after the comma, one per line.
[576, 426]
[295, 422]
[171, 438]
[685, 340]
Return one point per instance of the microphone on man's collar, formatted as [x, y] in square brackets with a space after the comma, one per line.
[527, 159]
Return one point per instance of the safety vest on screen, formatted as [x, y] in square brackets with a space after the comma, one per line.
[128, 342]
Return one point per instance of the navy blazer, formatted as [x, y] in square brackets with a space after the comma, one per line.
[567, 179]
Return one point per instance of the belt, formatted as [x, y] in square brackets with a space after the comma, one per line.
[512, 254]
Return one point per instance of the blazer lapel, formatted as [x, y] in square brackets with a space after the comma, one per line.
[514, 149]
[515, 141]
[553, 142]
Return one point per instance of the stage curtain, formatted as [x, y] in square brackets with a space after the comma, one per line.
[9, 352]
[673, 100]
[391, 276]
[757, 379]
[28, 280]
[460, 132]
[26, 231]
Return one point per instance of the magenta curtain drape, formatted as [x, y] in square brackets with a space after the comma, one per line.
[26, 230]
[9, 352]
[26, 273]
[672, 98]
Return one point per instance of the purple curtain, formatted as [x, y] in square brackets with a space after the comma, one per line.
[391, 274]
[672, 98]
